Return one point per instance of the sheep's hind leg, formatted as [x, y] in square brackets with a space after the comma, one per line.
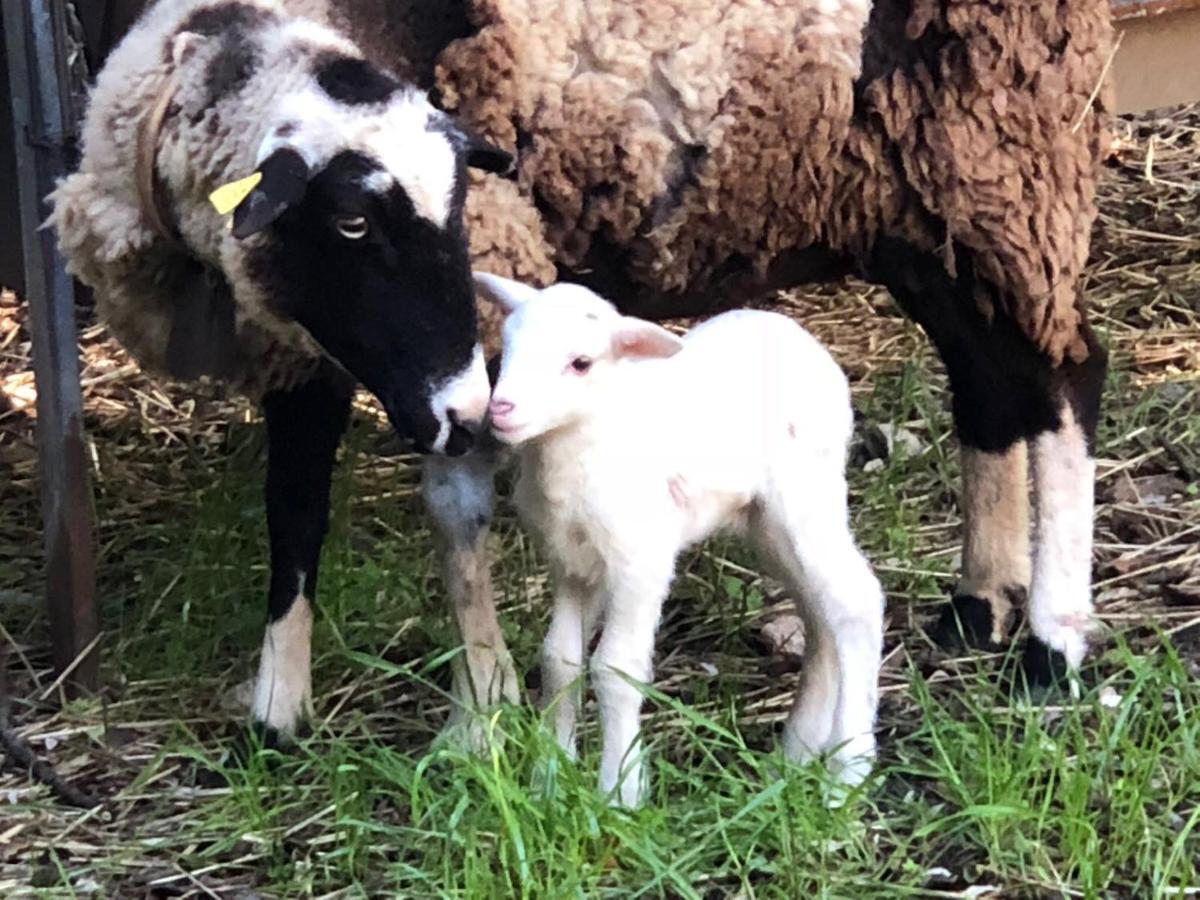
[1064, 474]
[304, 427]
[995, 563]
[804, 530]
[459, 494]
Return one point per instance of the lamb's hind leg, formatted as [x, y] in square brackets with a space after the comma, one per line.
[304, 428]
[804, 529]
[459, 494]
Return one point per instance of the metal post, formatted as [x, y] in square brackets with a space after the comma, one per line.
[43, 124]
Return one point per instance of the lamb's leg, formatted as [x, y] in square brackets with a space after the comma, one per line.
[623, 660]
[805, 529]
[1064, 474]
[995, 565]
[562, 657]
[459, 495]
[304, 427]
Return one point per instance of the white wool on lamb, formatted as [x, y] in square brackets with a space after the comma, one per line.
[633, 444]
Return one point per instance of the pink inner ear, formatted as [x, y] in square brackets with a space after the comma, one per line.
[645, 341]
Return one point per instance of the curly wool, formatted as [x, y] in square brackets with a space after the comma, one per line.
[677, 142]
[186, 309]
[684, 139]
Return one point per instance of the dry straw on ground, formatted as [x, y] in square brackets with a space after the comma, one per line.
[1143, 285]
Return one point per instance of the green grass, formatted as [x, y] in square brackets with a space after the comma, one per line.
[1094, 798]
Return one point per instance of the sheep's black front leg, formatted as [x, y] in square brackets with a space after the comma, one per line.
[304, 427]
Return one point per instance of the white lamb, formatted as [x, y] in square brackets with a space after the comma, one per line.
[633, 444]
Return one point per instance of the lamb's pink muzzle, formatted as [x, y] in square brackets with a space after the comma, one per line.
[500, 411]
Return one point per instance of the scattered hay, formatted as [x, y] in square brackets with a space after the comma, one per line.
[1143, 285]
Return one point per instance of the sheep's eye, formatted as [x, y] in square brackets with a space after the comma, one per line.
[353, 228]
[581, 364]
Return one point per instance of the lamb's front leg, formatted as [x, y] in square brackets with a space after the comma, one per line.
[571, 628]
[459, 495]
[622, 662]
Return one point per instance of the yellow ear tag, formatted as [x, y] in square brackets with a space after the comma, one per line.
[227, 197]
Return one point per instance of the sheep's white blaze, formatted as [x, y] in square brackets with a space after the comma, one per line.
[465, 394]
[424, 163]
[283, 691]
[1060, 603]
[404, 138]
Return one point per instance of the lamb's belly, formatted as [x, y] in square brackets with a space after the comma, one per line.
[705, 512]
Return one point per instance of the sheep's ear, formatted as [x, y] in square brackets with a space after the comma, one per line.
[509, 294]
[639, 339]
[284, 181]
[484, 155]
[184, 47]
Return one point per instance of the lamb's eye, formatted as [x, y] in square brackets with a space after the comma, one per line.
[353, 228]
[581, 364]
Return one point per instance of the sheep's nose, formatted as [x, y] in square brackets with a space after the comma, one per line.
[468, 420]
[499, 409]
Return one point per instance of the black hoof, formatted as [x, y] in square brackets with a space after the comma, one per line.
[966, 623]
[1043, 670]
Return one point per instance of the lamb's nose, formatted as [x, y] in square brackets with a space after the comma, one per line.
[501, 408]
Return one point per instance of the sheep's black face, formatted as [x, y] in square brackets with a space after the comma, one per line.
[386, 290]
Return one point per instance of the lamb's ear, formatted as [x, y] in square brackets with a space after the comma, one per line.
[509, 294]
[639, 339]
[284, 181]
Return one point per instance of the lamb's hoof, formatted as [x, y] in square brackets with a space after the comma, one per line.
[1043, 671]
[966, 623]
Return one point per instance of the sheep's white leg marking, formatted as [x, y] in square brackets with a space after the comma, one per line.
[283, 690]
[624, 655]
[805, 529]
[459, 496]
[996, 557]
[1060, 605]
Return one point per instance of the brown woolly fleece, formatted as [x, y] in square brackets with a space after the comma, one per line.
[680, 147]
[678, 155]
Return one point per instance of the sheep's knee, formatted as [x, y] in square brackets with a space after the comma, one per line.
[562, 668]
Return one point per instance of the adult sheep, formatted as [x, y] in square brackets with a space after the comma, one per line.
[689, 155]
[345, 260]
